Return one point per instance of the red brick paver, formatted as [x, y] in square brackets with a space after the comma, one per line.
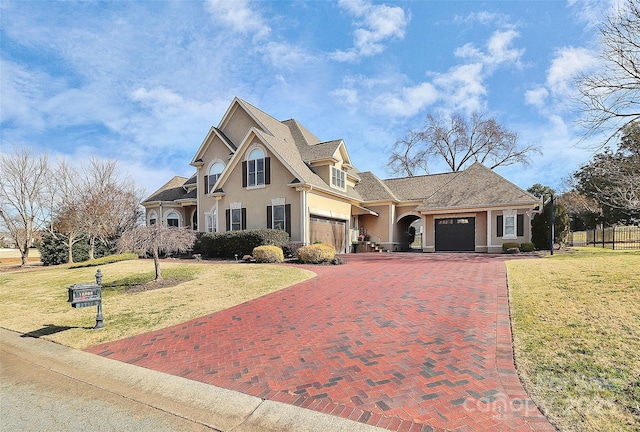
[402, 341]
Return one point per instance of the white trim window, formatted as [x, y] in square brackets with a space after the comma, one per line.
[211, 219]
[338, 178]
[236, 219]
[214, 174]
[509, 224]
[153, 218]
[279, 220]
[255, 168]
[173, 219]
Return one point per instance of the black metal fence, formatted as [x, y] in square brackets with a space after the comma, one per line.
[616, 237]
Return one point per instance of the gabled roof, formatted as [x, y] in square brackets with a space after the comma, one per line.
[477, 186]
[174, 190]
[371, 188]
[418, 187]
[287, 141]
[213, 132]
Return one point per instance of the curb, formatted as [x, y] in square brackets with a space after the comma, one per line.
[217, 408]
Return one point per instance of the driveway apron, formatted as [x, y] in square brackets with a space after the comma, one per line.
[401, 341]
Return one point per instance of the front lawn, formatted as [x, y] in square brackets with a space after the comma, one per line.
[35, 301]
[576, 330]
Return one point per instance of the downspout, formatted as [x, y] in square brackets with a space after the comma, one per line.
[489, 225]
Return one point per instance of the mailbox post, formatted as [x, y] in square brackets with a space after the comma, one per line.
[88, 294]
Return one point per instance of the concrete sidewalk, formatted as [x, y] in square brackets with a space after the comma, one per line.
[213, 407]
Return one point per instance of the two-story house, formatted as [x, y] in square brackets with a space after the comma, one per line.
[253, 171]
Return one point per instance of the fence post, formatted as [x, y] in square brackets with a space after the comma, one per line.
[603, 235]
[613, 238]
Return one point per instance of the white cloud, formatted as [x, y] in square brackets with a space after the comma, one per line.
[462, 87]
[376, 25]
[407, 102]
[499, 50]
[240, 17]
[567, 63]
[536, 97]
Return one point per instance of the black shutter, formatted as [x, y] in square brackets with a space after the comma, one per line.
[287, 218]
[267, 170]
[228, 215]
[499, 226]
[206, 184]
[269, 217]
[244, 174]
[520, 228]
[244, 218]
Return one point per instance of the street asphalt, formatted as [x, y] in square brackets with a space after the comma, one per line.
[47, 386]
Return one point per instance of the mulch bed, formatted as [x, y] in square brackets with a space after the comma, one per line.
[155, 284]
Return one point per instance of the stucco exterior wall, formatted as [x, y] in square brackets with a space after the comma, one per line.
[237, 126]
[322, 205]
[378, 225]
[256, 200]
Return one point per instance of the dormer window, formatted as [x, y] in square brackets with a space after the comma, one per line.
[214, 174]
[338, 178]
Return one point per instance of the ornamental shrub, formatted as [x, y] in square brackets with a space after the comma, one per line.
[316, 253]
[268, 254]
[527, 247]
[230, 243]
[510, 247]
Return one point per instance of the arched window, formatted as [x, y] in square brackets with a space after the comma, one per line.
[194, 220]
[214, 174]
[255, 168]
[153, 218]
[173, 219]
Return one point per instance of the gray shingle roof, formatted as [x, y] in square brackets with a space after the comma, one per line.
[477, 186]
[174, 190]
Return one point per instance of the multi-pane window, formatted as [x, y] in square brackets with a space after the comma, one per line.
[214, 174]
[338, 178]
[279, 218]
[255, 168]
[173, 219]
[212, 221]
[509, 225]
[153, 218]
[236, 219]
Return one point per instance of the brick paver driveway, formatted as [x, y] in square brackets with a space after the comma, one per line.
[402, 341]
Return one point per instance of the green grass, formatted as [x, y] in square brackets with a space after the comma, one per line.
[576, 329]
[35, 301]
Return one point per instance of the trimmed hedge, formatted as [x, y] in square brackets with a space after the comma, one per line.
[510, 247]
[230, 243]
[527, 247]
[268, 254]
[316, 253]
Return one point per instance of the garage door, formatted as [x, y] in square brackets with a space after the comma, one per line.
[456, 235]
[329, 231]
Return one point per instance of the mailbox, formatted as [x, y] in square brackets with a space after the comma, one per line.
[88, 294]
[84, 295]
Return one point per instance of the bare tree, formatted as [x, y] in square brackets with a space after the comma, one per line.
[24, 183]
[157, 239]
[458, 141]
[613, 178]
[611, 95]
[67, 222]
[111, 202]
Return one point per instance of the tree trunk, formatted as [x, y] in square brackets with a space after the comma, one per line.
[24, 253]
[156, 263]
[92, 246]
[70, 247]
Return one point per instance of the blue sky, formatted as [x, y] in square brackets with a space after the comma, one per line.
[143, 81]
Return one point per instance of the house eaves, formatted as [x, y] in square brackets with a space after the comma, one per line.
[196, 161]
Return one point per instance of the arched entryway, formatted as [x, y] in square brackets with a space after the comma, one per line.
[409, 233]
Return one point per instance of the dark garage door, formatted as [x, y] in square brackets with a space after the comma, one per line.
[456, 235]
